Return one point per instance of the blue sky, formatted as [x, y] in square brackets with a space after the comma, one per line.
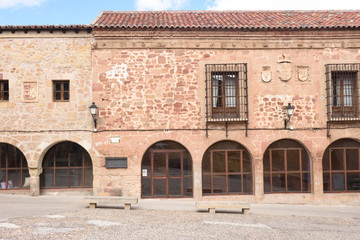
[49, 12]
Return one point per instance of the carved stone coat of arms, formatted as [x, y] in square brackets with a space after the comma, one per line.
[284, 68]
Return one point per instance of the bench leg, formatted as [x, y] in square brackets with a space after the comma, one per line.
[127, 206]
[92, 205]
[245, 211]
[211, 210]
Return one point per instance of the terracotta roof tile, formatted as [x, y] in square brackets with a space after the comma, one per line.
[228, 19]
[45, 27]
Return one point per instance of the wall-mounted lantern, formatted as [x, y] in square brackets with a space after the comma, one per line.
[94, 112]
[289, 112]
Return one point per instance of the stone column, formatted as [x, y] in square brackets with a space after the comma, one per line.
[35, 181]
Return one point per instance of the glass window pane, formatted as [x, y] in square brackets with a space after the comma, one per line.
[278, 160]
[2, 155]
[6, 86]
[337, 159]
[61, 178]
[146, 186]
[76, 177]
[6, 95]
[13, 160]
[174, 187]
[294, 182]
[159, 164]
[188, 186]
[174, 164]
[246, 162]
[353, 181]
[206, 183]
[66, 86]
[87, 159]
[206, 167]
[234, 161]
[88, 172]
[159, 187]
[234, 183]
[14, 179]
[293, 160]
[187, 164]
[338, 182]
[305, 164]
[57, 86]
[306, 181]
[75, 155]
[66, 96]
[218, 161]
[352, 159]
[57, 95]
[267, 183]
[248, 188]
[47, 178]
[219, 184]
[278, 182]
[326, 182]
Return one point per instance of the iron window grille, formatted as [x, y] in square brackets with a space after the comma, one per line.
[226, 92]
[342, 92]
[61, 89]
[4, 90]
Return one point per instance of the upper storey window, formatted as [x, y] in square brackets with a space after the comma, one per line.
[61, 89]
[226, 92]
[4, 90]
[342, 82]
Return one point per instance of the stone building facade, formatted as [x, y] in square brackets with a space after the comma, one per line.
[193, 105]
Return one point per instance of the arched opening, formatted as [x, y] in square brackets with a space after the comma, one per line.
[67, 165]
[226, 169]
[166, 171]
[341, 166]
[286, 168]
[14, 172]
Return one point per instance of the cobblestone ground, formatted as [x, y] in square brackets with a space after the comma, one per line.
[115, 223]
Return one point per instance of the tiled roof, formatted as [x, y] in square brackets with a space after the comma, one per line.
[44, 27]
[228, 19]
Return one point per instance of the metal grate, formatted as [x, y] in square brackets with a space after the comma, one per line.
[342, 92]
[226, 92]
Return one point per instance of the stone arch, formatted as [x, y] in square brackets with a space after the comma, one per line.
[14, 172]
[287, 167]
[227, 168]
[341, 166]
[19, 145]
[67, 165]
[166, 170]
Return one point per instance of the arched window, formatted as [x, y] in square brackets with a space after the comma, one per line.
[14, 173]
[341, 166]
[166, 171]
[226, 169]
[286, 168]
[67, 165]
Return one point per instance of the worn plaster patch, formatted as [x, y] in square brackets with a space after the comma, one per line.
[101, 223]
[9, 225]
[119, 73]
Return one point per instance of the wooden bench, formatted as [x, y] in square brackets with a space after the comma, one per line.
[212, 205]
[127, 201]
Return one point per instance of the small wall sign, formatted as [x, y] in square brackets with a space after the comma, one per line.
[116, 162]
[144, 172]
[115, 140]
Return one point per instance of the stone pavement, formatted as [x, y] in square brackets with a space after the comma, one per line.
[67, 217]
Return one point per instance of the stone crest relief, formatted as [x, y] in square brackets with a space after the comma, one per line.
[303, 73]
[266, 74]
[29, 92]
[284, 68]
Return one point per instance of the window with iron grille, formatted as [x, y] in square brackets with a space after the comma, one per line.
[342, 83]
[226, 92]
[61, 90]
[4, 90]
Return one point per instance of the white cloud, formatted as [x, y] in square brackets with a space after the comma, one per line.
[20, 3]
[159, 4]
[282, 5]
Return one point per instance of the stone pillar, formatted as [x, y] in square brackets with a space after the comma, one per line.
[197, 181]
[35, 181]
